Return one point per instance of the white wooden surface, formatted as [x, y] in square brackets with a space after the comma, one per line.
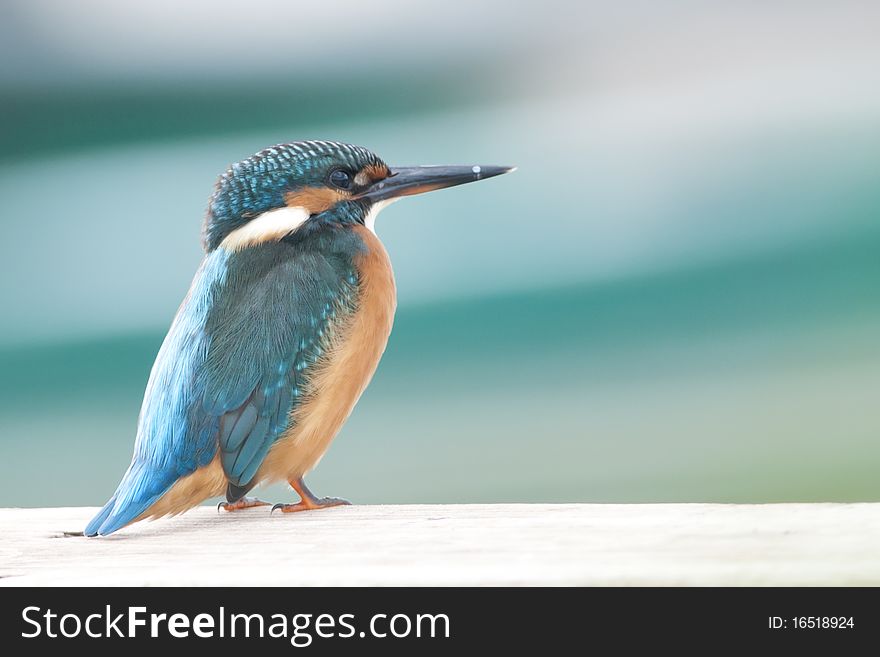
[520, 544]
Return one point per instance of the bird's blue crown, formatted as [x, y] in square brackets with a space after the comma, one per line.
[259, 183]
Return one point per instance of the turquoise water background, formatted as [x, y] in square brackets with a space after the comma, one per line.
[675, 298]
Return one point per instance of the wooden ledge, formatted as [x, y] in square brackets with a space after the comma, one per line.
[480, 544]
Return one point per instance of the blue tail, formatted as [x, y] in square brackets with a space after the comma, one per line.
[92, 528]
[137, 492]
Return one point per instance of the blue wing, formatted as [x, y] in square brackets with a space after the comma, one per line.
[231, 369]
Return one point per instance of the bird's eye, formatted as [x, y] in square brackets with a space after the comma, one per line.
[341, 179]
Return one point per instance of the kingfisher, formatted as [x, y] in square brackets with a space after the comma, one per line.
[282, 329]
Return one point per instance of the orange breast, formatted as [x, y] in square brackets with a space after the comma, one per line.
[352, 356]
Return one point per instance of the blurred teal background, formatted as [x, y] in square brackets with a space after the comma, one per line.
[675, 298]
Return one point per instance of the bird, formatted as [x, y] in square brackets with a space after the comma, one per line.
[283, 326]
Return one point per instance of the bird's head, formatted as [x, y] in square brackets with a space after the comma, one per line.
[270, 194]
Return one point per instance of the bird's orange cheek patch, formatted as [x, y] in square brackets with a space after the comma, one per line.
[314, 199]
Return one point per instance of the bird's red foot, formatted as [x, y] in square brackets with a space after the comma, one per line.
[243, 503]
[308, 501]
[317, 503]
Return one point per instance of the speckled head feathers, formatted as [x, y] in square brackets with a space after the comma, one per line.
[263, 181]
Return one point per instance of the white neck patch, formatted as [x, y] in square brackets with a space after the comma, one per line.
[375, 209]
[269, 226]
[275, 224]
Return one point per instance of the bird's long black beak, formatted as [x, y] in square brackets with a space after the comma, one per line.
[406, 181]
